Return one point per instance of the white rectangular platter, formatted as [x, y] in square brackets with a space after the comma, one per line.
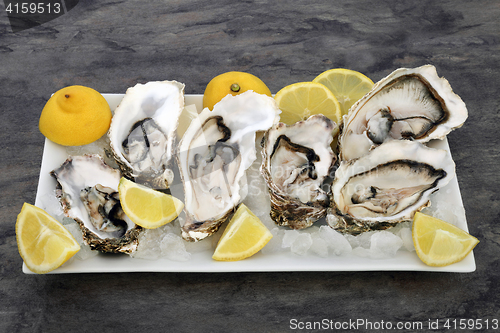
[54, 155]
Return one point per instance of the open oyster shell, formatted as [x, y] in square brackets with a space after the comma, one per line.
[143, 130]
[213, 155]
[88, 194]
[387, 185]
[296, 160]
[410, 103]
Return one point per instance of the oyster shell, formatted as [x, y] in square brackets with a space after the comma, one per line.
[213, 155]
[143, 130]
[407, 104]
[296, 160]
[88, 194]
[387, 185]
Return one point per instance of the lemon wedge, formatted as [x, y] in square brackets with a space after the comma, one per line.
[347, 85]
[43, 242]
[244, 236]
[301, 100]
[147, 207]
[439, 243]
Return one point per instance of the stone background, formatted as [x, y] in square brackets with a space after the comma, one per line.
[111, 45]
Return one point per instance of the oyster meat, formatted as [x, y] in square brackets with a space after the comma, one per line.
[213, 155]
[296, 161]
[411, 104]
[143, 130]
[387, 185]
[88, 192]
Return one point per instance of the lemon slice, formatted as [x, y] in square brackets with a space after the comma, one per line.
[439, 243]
[43, 243]
[147, 207]
[301, 100]
[244, 236]
[347, 85]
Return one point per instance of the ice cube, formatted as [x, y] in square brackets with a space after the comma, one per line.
[96, 147]
[289, 237]
[353, 240]
[172, 247]
[405, 234]
[169, 228]
[149, 253]
[266, 219]
[275, 244]
[319, 245]
[361, 252]
[67, 220]
[75, 230]
[257, 199]
[50, 203]
[149, 244]
[447, 211]
[335, 240]
[85, 252]
[365, 239]
[100, 147]
[384, 244]
[301, 244]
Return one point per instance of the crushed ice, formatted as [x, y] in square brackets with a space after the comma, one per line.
[162, 242]
[321, 240]
[85, 251]
[445, 210]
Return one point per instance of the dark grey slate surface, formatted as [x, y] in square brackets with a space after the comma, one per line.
[111, 45]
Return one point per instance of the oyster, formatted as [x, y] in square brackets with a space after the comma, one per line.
[296, 160]
[88, 194]
[407, 104]
[143, 130]
[387, 185]
[213, 155]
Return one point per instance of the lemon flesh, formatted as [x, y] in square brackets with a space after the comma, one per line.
[244, 236]
[301, 100]
[75, 116]
[233, 83]
[347, 85]
[439, 243]
[43, 243]
[147, 207]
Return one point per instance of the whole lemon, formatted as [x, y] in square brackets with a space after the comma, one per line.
[75, 116]
[233, 83]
